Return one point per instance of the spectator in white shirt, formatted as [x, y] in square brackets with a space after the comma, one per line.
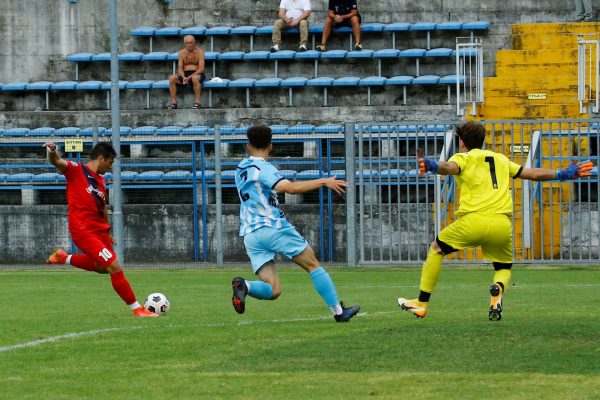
[292, 13]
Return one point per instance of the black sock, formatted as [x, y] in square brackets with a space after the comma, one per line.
[424, 296]
[501, 285]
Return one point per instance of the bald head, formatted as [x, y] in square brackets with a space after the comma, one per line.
[189, 39]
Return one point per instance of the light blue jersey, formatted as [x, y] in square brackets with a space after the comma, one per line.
[255, 180]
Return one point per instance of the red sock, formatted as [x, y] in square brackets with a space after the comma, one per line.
[122, 287]
[83, 262]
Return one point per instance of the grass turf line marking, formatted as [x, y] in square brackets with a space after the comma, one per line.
[73, 335]
[55, 339]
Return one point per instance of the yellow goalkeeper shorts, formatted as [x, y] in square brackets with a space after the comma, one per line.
[492, 232]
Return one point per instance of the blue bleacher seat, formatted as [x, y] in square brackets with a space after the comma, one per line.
[397, 27]
[193, 30]
[168, 31]
[128, 175]
[156, 56]
[412, 53]
[141, 84]
[16, 132]
[243, 30]
[422, 26]
[125, 130]
[451, 79]
[228, 175]
[301, 128]
[400, 80]
[268, 82]
[131, 56]
[439, 52]
[466, 52]
[264, 30]
[218, 31]
[288, 174]
[257, 55]
[386, 53]
[150, 175]
[20, 177]
[174, 56]
[80, 57]
[320, 81]
[107, 176]
[42, 131]
[346, 81]
[211, 56]
[177, 175]
[14, 86]
[329, 128]
[309, 174]
[283, 55]
[476, 25]
[195, 130]
[90, 131]
[143, 31]
[67, 131]
[40, 85]
[372, 27]
[278, 129]
[334, 54]
[108, 85]
[207, 174]
[242, 83]
[64, 85]
[316, 28]
[372, 81]
[365, 53]
[294, 81]
[170, 130]
[308, 55]
[241, 130]
[232, 55]
[3, 177]
[164, 84]
[144, 130]
[89, 85]
[393, 173]
[48, 177]
[449, 26]
[101, 57]
[426, 80]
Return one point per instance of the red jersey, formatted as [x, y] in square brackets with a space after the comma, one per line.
[86, 197]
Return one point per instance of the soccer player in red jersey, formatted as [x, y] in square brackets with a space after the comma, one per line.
[88, 220]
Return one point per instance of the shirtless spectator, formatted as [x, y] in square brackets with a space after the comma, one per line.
[190, 72]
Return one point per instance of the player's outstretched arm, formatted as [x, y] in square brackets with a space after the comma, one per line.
[439, 167]
[54, 157]
[573, 171]
[337, 185]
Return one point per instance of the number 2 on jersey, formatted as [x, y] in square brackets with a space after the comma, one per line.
[492, 163]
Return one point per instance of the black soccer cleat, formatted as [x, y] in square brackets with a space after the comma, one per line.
[240, 290]
[347, 313]
[495, 311]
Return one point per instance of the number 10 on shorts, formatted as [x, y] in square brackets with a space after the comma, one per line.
[105, 254]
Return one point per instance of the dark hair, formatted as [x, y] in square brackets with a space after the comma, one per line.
[472, 134]
[259, 136]
[104, 149]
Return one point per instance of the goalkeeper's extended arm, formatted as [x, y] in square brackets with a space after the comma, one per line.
[573, 171]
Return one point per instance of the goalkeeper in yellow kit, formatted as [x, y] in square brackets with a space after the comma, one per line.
[484, 214]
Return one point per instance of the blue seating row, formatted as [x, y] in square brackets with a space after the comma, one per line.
[244, 83]
[251, 30]
[176, 130]
[262, 55]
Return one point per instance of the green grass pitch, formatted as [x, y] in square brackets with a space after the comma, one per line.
[65, 334]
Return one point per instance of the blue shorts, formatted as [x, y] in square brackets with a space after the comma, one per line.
[263, 243]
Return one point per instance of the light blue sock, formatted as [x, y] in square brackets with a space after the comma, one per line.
[260, 290]
[324, 286]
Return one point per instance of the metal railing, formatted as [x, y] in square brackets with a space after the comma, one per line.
[588, 70]
[469, 73]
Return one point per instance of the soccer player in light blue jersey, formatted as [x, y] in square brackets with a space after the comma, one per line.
[266, 231]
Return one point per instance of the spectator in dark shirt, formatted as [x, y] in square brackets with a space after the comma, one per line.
[341, 13]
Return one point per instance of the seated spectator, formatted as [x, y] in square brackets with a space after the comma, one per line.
[190, 72]
[292, 13]
[341, 13]
[584, 11]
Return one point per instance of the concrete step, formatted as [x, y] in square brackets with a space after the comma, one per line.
[536, 57]
[531, 111]
[550, 35]
[558, 69]
[538, 83]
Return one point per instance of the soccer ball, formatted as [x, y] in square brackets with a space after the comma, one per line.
[158, 303]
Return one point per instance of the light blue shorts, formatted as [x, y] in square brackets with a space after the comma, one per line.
[263, 243]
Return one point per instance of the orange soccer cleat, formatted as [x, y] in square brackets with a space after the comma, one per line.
[416, 307]
[143, 313]
[58, 257]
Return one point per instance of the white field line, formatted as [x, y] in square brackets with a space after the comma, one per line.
[74, 335]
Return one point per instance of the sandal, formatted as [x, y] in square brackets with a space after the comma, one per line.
[196, 106]
[172, 106]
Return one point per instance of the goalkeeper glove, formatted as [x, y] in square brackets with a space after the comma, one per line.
[575, 170]
[427, 165]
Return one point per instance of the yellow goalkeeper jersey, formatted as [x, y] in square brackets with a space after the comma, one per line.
[484, 182]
